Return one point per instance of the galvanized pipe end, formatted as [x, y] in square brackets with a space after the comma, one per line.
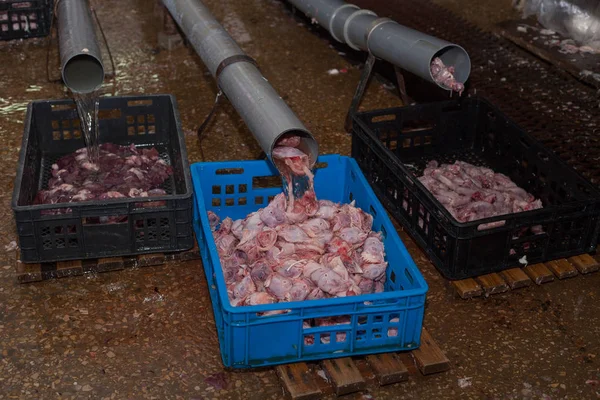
[308, 144]
[83, 73]
[456, 56]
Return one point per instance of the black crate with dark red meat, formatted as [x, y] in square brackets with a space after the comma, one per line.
[136, 199]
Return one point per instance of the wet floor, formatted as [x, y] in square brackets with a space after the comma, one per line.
[150, 334]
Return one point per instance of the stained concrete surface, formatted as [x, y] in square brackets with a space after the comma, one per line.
[150, 334]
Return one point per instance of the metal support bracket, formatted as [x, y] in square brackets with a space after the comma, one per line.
[360, 91]
[362, 86]
[206, 121]
[224, 64]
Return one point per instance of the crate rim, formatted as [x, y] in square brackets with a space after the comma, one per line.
[592, 199]
[98, 203]
[296, 305]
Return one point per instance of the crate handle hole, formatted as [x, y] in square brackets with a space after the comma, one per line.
[134, 103]
[321, 165]
[383, 118]
[62, 107]
[105, 219]
[417, 126]
[266, 182]
[229, 171]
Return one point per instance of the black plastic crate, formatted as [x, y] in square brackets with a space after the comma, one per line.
[20, 19]
[52, 131]
[393, 146]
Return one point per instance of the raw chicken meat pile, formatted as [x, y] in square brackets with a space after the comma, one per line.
[299, 249]
[471, 193]
[319, 249]
[445, 76]
[121, 171]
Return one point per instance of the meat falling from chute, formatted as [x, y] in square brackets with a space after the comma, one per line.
[297, 249]
[444, 75]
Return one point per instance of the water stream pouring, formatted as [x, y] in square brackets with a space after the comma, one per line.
[81, 65]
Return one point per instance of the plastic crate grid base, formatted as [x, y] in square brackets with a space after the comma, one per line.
[393, 147]
[25, 19]
[160, 224]
[383, 322]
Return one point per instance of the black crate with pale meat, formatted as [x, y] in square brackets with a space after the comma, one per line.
[396, 148]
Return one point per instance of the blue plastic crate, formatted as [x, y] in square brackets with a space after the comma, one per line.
[381, 322]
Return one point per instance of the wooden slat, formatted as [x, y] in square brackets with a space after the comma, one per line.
[323, 381]
[467, 288]
[539, 273]
[69, 268]
[515, 278]
[429, 357]
[27, 273]
[366, 371]
[110, 264]
[562, 268]
[298, 381]
[492, 284]
[585, 263]
[388, 368]
[147, 260]
[345, 377]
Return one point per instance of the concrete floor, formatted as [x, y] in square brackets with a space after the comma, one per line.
[149, 333]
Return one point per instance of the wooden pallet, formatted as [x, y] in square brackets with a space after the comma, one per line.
[342, 376]
[516, 278]
[27, 273]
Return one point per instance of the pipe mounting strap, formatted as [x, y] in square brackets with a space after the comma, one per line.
[232, 60]
[347, 24]
[376, 24]
[333, 17]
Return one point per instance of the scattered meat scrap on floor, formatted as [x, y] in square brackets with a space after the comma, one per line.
[471, 193]
[121, 172]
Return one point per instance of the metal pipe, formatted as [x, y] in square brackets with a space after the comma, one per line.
[81, 61]
[386, 39]
[268, 117]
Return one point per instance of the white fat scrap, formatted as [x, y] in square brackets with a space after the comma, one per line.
[464, 382]
[590, 74]
[523, 260]
[333, 72]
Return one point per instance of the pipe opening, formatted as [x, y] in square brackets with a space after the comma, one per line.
[308, 144]
[83, 73]
[456, 56]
